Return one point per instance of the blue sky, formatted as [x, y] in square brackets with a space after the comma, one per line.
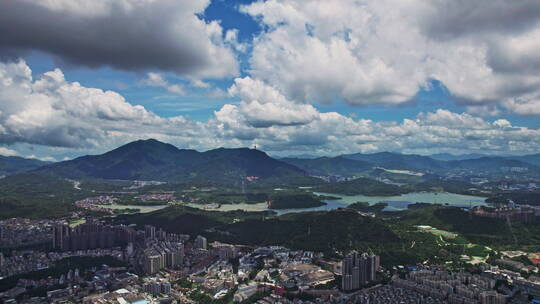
[237, 73]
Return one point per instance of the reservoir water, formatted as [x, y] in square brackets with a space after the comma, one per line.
[142, 209]
[400, 202]
[395, 203]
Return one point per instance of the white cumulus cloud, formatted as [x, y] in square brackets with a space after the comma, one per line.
[157, 80]
[60, 118]
[487, 53]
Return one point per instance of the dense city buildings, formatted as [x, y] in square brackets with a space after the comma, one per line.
[160, 255]
[91, 235]
[358, 270]
[155, 261]
[150, 232]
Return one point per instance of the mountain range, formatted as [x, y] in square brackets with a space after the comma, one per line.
[351, 164]
[14, 164]
[330, 165]
[533, 159]
[448, 156]
[154, 160]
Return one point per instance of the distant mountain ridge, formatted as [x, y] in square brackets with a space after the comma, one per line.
[533, 159]
[323, 165]
[392, 160]
[152, 159]
[10, 165]
[449, 157]
[350, 164]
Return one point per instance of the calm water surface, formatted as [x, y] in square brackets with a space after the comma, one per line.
[395, 203]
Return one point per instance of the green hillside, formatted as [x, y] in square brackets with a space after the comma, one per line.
[338, 230]
[13, 164]
[37, 196]
[154, 160]
[363, 186]
[330, 165]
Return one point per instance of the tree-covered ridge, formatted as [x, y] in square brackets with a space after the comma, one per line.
[366, 207]
[360, 164]
[320, 231]
[37, 196]
[330, 165]
[154, 160]
[363, 186]
[13, 164]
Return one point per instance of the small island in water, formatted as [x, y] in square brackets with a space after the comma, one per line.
[295, 201]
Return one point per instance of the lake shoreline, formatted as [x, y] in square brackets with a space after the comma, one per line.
[395, 203]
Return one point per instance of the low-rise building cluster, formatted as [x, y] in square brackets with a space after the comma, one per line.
[23, 232]
[453, 288]
[155, 197]
[29, 260]
[520, 213]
